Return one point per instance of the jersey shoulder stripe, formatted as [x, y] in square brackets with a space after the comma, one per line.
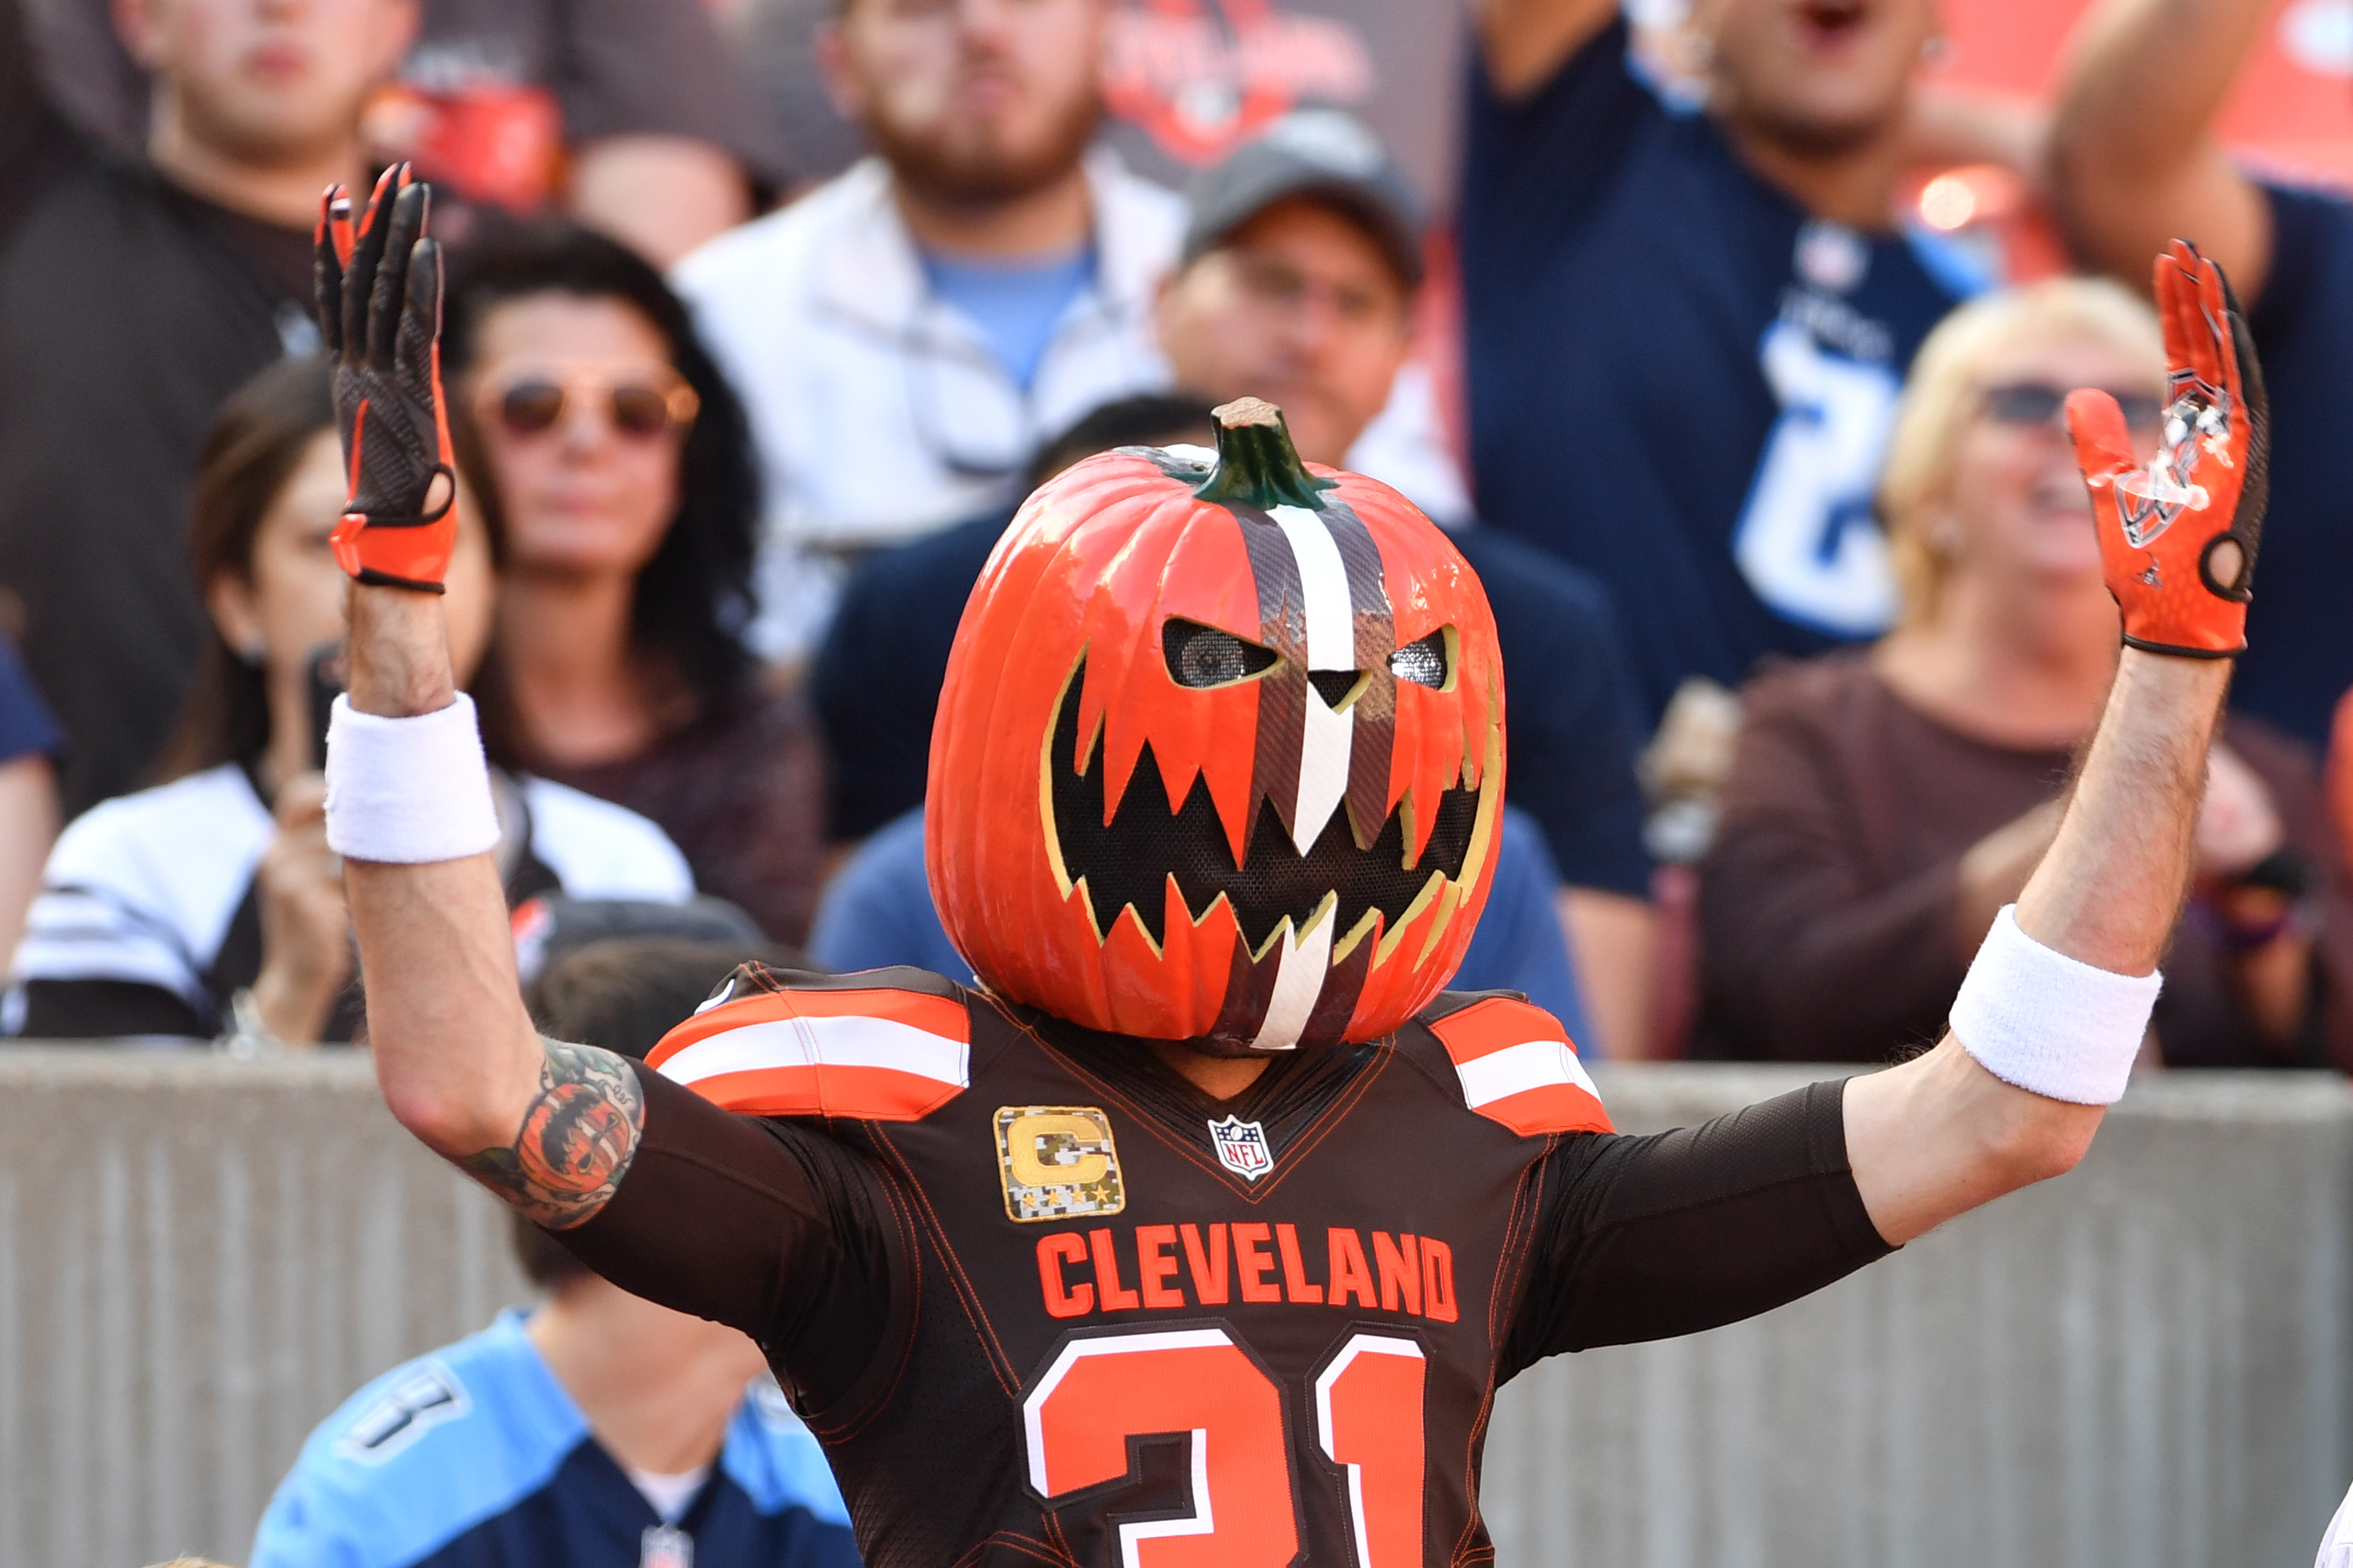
[1516, 1065]
[863, 1048]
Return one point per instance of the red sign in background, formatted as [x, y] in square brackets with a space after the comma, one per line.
[2291, 110]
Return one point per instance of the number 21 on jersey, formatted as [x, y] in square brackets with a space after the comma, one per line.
[1199, 1384]
[1806, 541]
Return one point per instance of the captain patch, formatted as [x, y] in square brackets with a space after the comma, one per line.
[1058, 1162]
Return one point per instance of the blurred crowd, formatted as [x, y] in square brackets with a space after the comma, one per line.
[764, 316]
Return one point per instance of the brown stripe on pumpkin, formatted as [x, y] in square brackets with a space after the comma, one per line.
[1373, 741]
[1282, 691]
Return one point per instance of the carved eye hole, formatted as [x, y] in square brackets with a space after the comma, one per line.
[1423, 662]
[1202, 656]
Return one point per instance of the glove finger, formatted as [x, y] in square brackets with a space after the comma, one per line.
[2214, 322]
[2172, 283]
[2197, 331]
[420, 325]
[2104, 446]
[327, 274]
[2244, 362]
[359, 272]
[391, 289]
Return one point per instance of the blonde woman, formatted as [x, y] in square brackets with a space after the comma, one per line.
[1886, 803]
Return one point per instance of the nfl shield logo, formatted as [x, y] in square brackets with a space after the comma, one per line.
[1242, 1147]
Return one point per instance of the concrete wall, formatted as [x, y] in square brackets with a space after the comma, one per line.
[199, 1259]
[2145, 1364]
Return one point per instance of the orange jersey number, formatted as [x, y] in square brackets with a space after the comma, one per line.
[1197, 1382]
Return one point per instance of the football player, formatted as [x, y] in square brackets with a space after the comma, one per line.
[1205, 1227]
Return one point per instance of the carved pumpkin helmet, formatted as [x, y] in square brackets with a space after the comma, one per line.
[1220, 749]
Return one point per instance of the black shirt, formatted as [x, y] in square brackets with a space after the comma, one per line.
[129, 310]
[1010, 1278]
[2299, 659]
[1569, 700]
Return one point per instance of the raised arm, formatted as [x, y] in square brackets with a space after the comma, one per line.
[549, 1127]
[2133, 155]
[1953, 1128]
[1525, 41]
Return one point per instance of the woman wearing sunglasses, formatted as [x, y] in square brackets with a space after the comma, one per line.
[210, 905]
[1885, 803]
[625, 468]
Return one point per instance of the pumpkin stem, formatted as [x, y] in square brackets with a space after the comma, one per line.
[1257, 464]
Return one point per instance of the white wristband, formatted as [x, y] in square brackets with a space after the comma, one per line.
[2049, 1024]
[407, 791]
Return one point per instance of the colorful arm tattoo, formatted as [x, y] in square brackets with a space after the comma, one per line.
[576, 1142]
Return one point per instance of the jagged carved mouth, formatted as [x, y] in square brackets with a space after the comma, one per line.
[1127, 864]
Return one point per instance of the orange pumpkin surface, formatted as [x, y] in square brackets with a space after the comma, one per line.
[1221, 751]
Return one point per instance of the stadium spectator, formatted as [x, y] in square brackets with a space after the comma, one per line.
[2136, 163]
[135, 294]
[906, 334]
[878, 911]
[211, 902]
[628, 112]
[1685, 331]
[1884, 804]
[630, 495]
[29, 742]
[598, 1431]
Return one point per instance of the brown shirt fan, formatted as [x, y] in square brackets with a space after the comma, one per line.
[1827, 904]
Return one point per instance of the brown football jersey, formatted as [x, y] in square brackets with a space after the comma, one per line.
[1043, 1302]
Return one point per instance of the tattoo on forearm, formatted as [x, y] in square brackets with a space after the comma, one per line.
[576, 1142]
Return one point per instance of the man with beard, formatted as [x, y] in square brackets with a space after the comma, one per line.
[1735, 277]
[905, 335]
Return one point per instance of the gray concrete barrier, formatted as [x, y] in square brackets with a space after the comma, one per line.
[199, 1259]
[2145, 1364]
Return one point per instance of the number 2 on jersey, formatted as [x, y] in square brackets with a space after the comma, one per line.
[1198, 1383]
[1806, 541]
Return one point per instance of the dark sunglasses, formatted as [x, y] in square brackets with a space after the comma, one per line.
[642, 410]
[2035, 403]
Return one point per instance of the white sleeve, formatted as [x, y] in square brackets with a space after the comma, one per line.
[599, 850]
[142, 889]
[2337, 1545]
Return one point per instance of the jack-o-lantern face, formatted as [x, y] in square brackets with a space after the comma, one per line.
[1220, 749]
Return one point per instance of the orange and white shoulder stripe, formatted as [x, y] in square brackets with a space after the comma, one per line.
[879, 1055]
[1517, 1067]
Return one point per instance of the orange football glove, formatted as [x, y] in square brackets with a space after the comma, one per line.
[380, 312]
[2177, 538]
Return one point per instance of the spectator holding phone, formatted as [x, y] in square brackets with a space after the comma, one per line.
[1884, 804]
[625, 472]
[211, 903]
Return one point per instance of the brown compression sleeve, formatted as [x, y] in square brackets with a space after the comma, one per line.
[1645, 1238]
[758, 1225]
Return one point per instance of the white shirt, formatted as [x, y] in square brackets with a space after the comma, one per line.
[143, 888]
[2337, 1545]
[881, 411]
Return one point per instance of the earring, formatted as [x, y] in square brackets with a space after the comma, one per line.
[1937, 51]
[252, 651]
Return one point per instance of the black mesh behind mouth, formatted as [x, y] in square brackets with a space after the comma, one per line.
[1127, 863]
